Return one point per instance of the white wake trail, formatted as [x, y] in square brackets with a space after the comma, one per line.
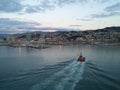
[65, 79]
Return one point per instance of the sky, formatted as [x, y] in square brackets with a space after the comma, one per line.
[18, 16]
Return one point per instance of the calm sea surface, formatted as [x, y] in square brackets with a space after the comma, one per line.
[56, 68]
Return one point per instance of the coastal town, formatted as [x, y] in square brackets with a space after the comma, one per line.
[109, 35]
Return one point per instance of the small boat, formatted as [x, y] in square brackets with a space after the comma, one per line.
[81, 58]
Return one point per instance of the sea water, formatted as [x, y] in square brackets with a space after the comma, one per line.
[56, 68]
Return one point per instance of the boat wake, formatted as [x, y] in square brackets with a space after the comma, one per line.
[65, 79]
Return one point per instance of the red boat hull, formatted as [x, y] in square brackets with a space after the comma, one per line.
[81, 59]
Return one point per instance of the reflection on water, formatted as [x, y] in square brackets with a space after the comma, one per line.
[24, 68]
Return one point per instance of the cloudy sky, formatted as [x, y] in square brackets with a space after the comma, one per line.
[33, 15]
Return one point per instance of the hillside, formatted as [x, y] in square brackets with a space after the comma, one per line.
[105, 35]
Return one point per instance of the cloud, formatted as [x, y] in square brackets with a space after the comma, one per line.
[104, 15]
[33, 9]
[84, 19]
[10, 6]
[64, 2]
[42, 5]
[58, 29]
[101, 1]
[113, 8]
[9, 25]
[38, 8]
[47, 29]
[47, 5]
[10, 22]
[75, 25]
[50, 5]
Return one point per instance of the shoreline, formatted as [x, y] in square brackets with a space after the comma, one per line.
[44, 46]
